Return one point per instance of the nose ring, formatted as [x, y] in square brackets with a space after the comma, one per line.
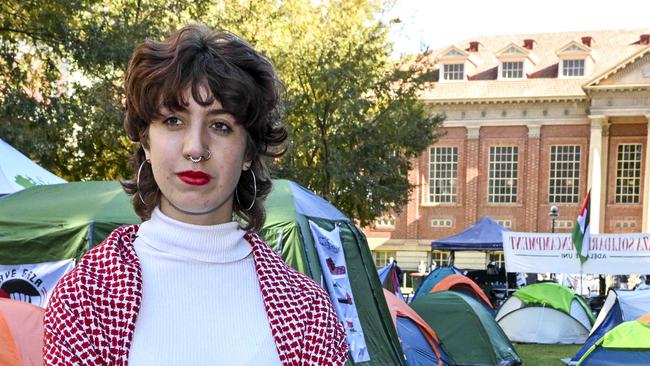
[200, 158]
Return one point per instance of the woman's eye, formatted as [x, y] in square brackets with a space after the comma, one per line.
[220, 127]
[172, 122]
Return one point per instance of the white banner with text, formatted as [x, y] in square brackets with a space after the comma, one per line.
[608, 253]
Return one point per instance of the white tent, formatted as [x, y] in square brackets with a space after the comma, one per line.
[545, 313]
[18, 172]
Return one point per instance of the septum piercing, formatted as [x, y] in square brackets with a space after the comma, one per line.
[199, 158]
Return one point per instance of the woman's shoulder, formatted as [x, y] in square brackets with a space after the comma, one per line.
[116, 248]
[276, 272]
[105, 262]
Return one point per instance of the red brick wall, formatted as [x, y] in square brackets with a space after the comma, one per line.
[530, 212]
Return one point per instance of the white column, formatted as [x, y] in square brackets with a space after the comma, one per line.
[604, 173]
[645, 224]
[597, 178]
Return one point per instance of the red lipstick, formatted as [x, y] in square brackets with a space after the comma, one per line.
[195, 178]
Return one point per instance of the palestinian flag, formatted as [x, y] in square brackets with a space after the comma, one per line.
[580, 235]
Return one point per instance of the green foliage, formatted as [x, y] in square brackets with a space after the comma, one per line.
[355, 120]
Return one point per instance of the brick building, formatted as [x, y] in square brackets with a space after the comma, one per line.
[532, 121]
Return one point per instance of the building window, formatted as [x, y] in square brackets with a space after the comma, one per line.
[453, 71]
[628, 173]
[445, 223]
[381, 257]
[564, 224]
[385, 222]
[443, 167]
[502, 175]
[564, 176]
[512, 70]
[625, 224]
[505, 223]
[440, 258]
[573, 67]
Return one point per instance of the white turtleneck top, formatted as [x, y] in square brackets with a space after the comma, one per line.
[201, 299]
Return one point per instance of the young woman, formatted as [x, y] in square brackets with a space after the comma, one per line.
[190, 286]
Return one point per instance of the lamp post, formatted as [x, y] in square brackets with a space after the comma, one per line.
[554, 213]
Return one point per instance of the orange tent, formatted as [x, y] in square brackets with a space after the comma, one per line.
[398, 308]
[645, 318]
[465, 285]
[21, 333]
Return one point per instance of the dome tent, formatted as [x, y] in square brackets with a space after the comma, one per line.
[290, 207]
[21, 333]
[619, 306]
[463, 284]
[389, 279]
[626, 345]
[467, 330]
[420, 343]
[547, 313]
[432, 279]
[53, 222]
[18, 172]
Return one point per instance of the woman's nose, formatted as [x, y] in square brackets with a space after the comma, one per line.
[194, 144]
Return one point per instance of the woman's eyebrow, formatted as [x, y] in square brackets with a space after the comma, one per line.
[218, 111]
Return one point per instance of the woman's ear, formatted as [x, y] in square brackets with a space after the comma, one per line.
[147, 153]
[246, 165]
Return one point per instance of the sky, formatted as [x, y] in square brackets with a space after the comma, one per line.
[435, 24]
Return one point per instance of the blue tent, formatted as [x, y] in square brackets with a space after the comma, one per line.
[432, 279]
[485, 235]
[628, 344]
[389, 279]
[619, 307]
[420, 343]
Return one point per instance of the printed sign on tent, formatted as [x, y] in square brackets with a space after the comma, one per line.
[614, 254]
[32, 283]
[332, 260]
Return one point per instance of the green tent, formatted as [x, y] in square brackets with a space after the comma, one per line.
[546, 313]
[627, 344]
[466, 329]
[554, 295]
[290, 207]
[47, 223]
[53, 222]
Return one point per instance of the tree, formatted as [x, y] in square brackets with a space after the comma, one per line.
[355, 118]
[61, 69]
[354, 115]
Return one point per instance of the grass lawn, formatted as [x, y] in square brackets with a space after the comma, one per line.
[545, 354]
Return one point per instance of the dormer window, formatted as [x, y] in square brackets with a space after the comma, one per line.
[512, 70]
[455, 63]
[573, 68]
[576, 59]
[453, 72]
[515, 60]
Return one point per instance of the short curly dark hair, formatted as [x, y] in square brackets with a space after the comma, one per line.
[239, 77]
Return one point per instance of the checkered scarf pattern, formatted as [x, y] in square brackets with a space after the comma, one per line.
[90, 319]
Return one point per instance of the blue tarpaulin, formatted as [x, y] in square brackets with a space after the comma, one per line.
[485, 235]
